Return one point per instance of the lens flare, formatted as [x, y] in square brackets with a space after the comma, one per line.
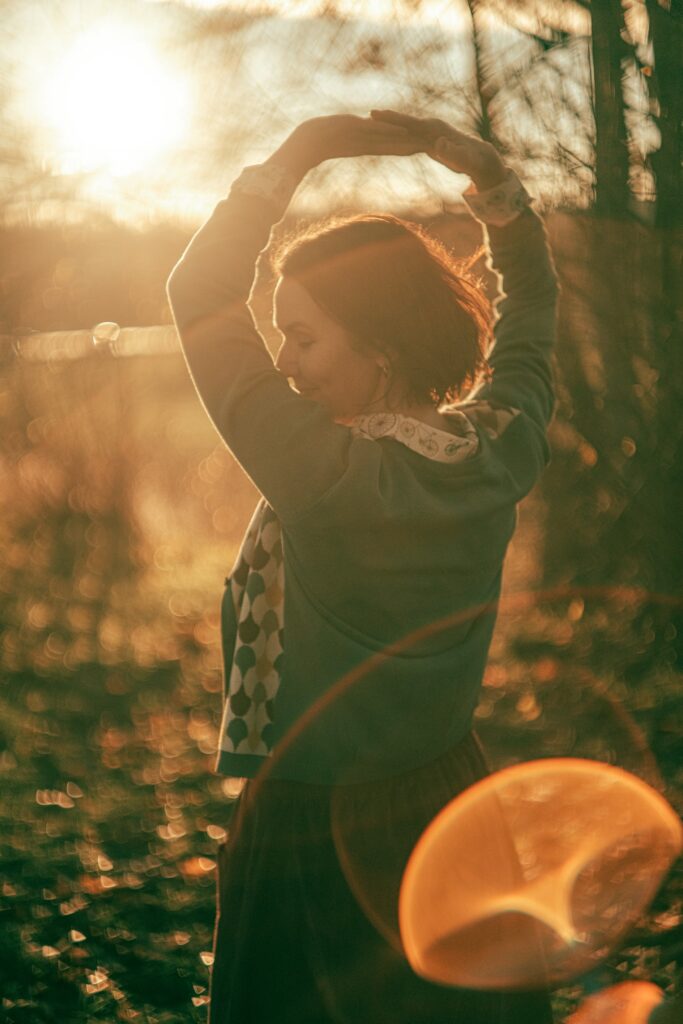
[629, 1002]
[531, 876]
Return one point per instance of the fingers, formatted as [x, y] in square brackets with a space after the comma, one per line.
[388, 115]
[448, 147]
[451, 154]
[387, 126]
[383, 130]
[392, 117]
[395, 117]
[347, 135]
[425, 126]
[388, 147]
[442, 141]
[431, 128]
[379, 138]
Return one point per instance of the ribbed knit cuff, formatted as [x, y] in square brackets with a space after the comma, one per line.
[501, 204]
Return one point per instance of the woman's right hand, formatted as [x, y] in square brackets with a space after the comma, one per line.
[344, 135]
[462, 153]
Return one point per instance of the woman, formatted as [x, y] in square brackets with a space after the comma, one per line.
[357, 619]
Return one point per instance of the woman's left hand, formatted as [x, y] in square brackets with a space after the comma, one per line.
[465, 154]
[342, 135]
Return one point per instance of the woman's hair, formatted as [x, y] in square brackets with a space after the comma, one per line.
[397, 290]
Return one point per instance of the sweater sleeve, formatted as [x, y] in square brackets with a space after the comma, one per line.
[525, 315]
[285, 442]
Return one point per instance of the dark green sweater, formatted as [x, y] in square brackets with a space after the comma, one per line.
[393, 561]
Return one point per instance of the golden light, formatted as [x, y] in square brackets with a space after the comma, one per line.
[629, 1002]
[533, 875]
[111, 104]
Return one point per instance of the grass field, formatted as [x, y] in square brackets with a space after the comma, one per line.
[119, 519]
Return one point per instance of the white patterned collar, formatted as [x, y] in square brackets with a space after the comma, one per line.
[433, 443]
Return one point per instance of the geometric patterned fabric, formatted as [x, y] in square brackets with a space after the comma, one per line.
[257, 581]
[257, 586]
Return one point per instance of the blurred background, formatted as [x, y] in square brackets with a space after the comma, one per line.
[121, 511]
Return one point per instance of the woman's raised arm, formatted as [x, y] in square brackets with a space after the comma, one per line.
[526, 305]
[286, 443]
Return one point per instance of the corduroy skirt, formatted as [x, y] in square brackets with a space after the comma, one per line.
[306, 924]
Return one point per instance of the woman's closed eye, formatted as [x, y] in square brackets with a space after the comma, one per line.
[300, 340]
[297, 339]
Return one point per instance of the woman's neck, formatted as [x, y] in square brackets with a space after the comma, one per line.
[425, 412]
[392, 397]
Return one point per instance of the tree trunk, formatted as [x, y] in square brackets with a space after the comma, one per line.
[484, 90]
[611, 152]
[666, 35]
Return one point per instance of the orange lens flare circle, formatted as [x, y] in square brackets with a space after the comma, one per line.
[528, 878]
[629, 1002]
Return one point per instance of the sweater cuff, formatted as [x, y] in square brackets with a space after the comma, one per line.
[270, 181]
[501, 204]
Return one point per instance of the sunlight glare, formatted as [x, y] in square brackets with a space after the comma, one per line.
[112, 104]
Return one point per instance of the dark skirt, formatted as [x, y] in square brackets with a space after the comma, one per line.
[306, 926]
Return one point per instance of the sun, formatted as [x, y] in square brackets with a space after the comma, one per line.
[111, 104]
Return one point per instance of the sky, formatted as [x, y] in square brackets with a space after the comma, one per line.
[149, 109]
[145, 110]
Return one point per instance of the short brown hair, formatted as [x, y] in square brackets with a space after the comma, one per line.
[398, 290]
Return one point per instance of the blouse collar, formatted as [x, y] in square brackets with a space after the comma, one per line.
[431, 442]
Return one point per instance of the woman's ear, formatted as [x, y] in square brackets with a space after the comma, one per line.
[382, 360]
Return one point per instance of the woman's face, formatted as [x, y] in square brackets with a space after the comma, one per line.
[317, 355]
